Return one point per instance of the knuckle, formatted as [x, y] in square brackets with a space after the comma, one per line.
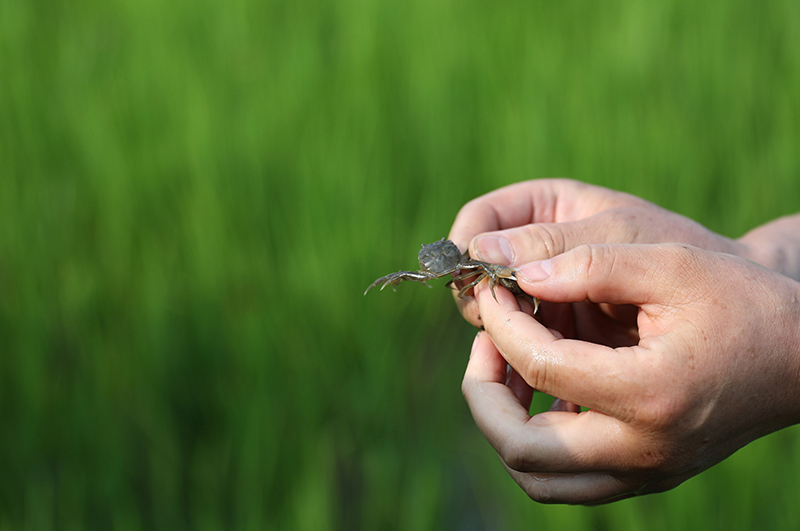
[626, 223]
[541, 492]
[678, 256]
[536, 372]
[599, 260]
[547, 236]
[516, 456]
[637, 221]
[514, 460]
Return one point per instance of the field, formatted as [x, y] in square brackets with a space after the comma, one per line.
[194, 195]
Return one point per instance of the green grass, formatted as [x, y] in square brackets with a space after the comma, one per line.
[194, 195]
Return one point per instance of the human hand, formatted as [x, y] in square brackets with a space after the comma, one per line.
[540, 219]
[716, 366]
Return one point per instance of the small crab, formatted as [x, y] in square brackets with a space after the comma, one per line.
[442, 258]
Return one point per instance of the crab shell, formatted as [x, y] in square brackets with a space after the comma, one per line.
[440, 258]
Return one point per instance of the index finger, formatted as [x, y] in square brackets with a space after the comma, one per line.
[588, 374]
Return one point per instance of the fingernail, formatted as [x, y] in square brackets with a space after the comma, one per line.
[495, 250]
[535, 271]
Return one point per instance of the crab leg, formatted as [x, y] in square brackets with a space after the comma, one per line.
[395, 278]
[481, 275]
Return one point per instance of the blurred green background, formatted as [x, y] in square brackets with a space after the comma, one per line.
[194, 195]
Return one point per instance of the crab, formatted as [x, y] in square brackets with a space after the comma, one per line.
[442, 258]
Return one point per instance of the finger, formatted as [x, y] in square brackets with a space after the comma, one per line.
[535, 201]
[563, 405]
[584, 489]
[539, 241]
[618, 218]
[469, 310]
[592, 488]
[583, 373]
[488, 370]
[554, 441]
[506, 207]
[520, 387]
[620, 222]
[616, 274]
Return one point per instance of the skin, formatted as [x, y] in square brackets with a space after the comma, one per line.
[540, 219]
[682, 354]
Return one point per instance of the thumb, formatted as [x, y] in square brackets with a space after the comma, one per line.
[631, 224]
[617, 274]
[538, 241]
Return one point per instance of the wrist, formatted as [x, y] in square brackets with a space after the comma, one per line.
[793, 348]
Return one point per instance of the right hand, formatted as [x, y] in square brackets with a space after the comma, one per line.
[717, 366]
